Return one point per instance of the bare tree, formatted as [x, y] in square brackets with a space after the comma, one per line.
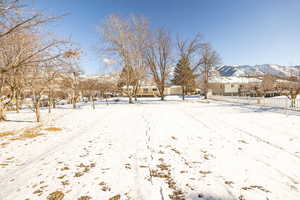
[291, 88]
[71, 74]
[267, 84]
[89, 88]
[14, 17]
[125, 39]
[158, 56]
[209, 59]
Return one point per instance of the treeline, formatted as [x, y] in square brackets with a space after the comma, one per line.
[35, 65]
[143, 51]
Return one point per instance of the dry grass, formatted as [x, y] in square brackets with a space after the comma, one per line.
[85, 198]
[53, 129]
[104, 186]
[117, 197]
[78, 174]
[56, 196]
[29, 133]
[6, 133]
[256, 187]
[66, 182]
[4, 144]
[205, 172]
[38, 192]
[228, 182]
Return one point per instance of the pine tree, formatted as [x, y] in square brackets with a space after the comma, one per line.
[184, 76]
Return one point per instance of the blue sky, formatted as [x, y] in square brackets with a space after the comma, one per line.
[242, 31]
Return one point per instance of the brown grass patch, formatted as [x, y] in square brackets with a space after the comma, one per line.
[66, 182]
[3, 164]
[176, 151]
[7, 133]
[157, 174]
[205, 172]
[56, 196]
[10, 158]
[4, 144]
[64, 168]
[38, 192]
[104, 186]
[78, 174]
[61, 177]
[228, 182]
[53, 129]
[29, 133]
[163, 167]
[85, 198]
[256, 187]
[117, 197]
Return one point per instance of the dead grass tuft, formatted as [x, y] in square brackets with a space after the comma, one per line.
[52, 129]
[228, 182]
[117, 197]
[38, 192]
[66, 182]
[78, 174]
[176, 151]
[256, 187]
[4, 144]
[56, 196]
[85, 198]
[205, 172]
[6, 133]
[174, 138]
[104, 186]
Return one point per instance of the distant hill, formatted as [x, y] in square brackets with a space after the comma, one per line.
[245, 70]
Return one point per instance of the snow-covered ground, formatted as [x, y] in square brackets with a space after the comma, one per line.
[151, 151]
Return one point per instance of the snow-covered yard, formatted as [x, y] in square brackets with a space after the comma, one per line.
[152, 151]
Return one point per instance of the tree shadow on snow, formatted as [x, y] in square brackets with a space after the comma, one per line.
[248, 108]
[27, 121]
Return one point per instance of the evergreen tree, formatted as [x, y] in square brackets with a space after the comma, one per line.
[184, 76]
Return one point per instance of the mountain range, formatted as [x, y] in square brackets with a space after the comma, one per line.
[247, 70]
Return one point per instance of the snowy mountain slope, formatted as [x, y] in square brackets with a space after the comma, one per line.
[244, 70]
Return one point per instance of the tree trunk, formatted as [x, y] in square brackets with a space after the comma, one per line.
[93, 102]
[2, 113]
[130, 100]
[49, 105]
[37, 111]
[17, 103]
[183, 93]
[162, 96]
[106, 100]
